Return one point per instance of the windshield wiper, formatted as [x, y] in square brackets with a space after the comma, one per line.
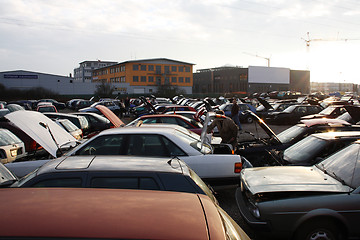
[333, 174]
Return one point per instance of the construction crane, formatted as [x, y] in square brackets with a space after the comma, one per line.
[255, 55]
[308, 40]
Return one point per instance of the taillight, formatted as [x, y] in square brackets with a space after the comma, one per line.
[237, 167]
[33, 145]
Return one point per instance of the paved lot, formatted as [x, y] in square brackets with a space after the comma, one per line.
[226, 194]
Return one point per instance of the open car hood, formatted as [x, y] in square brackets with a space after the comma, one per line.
[42, 129]
[354, 112]
[265, 103]
[115, 120]
[263, 125]
[323, 121]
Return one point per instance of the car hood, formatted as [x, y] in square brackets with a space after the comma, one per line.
[265, 103]
[110, 115]
[290, 179]
[354, 112]
[263, 125]
[42, 129]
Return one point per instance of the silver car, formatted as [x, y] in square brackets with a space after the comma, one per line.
[11, 147]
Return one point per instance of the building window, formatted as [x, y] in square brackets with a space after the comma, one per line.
[158, 69]
[143, 67]
[150, 67]
[117, 69]
[122, 79]
[166, 69]
[187, 69]
[181, 79]
[173, 68]
[173, 79]
[122, 68]
[135, 67]
[151, 79]
[135, 78]
[187, 79]
[181, 69]
[143, 78]
[167, 80]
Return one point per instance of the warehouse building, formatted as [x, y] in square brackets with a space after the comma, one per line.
[246, 81]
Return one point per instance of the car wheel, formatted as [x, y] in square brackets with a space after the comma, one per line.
[249, 119]
[319, 230]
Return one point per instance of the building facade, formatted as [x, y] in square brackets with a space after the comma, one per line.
[246, 81]
[84, 72]
[331, 87]
[145, 76]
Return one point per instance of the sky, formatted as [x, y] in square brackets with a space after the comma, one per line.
[54, 36]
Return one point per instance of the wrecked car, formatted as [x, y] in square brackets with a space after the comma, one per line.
[296, 202]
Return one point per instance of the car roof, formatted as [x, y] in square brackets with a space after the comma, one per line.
[337, 135]
[145, 128]
[61, 115]
[107, 213]
[114, 163]
[324, 121]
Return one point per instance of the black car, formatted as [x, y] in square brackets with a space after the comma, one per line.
[118, 172]
[304, 202]
[267, 108]
[79, 121]
[58, 105]
[96, 122]
[313, 148]
[332, 111]
[256, 150]
[292, 114]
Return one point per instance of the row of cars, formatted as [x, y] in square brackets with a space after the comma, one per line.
[160, 177]
[142, 141]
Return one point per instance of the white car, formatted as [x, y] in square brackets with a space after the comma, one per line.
[167, 141]
[11, 147]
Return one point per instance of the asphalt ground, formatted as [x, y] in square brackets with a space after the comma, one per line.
[226, 194]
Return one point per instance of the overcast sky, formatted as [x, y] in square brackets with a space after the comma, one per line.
[54, 36]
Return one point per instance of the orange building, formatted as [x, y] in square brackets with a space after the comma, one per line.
[143, 76]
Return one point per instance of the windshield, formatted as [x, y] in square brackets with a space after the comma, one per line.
[343, 165]
[327, 111]
[6, 177]
[291, 133]
[304, 150]
[194, 141]
[290, 109]
[8, 138]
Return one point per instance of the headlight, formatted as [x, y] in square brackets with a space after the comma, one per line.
[13, 152]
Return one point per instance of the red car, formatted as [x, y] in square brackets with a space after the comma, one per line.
[190, 124]
[113, 214]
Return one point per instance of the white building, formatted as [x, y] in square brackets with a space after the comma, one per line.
[84, 72]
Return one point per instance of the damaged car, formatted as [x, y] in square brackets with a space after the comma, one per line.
[297, 202]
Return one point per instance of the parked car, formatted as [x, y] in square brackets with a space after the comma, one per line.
[58, 105]
[166, 141]
[38, 130]
[332, 111]
[117, 172]
[96, 122]
[11, 147]
[70, 128]
[243, 113]
[47, 107]
[292, 114]
[82, 104]
[313, 148]
[266, 108]
[79, 121]
[256, 150]
[109, 104]
[176, 119]
[113, 214]
[296, 202]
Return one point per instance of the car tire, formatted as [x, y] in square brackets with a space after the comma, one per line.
[319, 229]
[249, 119]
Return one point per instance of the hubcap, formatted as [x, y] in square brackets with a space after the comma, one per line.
[320, 235]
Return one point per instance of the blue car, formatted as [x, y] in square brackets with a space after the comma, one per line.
[243, 116]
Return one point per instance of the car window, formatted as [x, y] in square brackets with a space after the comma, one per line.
[60, 182]
[149, 120]
[103, 145]
[145, 183]
[344, 164]
[147, 145]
